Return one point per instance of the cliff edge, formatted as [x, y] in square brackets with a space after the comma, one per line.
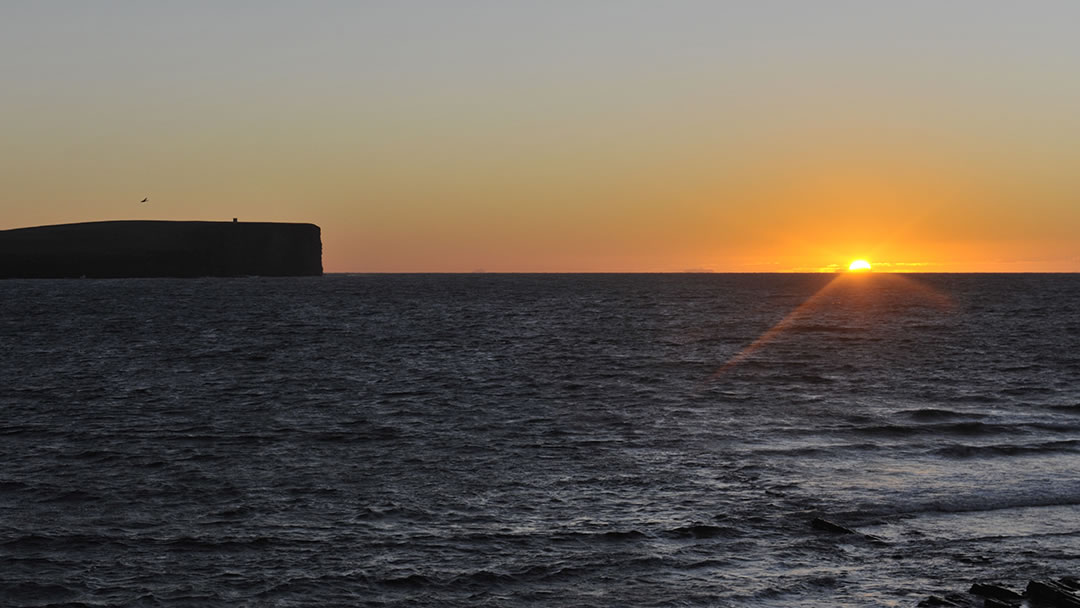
[161, 249]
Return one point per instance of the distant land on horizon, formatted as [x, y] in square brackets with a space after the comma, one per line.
[157, 248]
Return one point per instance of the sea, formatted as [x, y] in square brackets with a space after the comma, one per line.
[537, 440]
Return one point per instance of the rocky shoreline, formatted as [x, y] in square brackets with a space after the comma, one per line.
[1039, 593]
[1042, 593]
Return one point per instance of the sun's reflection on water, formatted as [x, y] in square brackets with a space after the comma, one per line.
[857, 291]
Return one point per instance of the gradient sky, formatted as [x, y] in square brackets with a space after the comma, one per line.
[582, 135]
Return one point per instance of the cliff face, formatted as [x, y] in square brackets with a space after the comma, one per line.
[161, 249]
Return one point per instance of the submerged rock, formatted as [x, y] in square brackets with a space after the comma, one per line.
[950, 601]
[828, 526]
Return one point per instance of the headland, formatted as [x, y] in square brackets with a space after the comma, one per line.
[122, 249]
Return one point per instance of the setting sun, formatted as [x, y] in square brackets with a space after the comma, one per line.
[859, 266]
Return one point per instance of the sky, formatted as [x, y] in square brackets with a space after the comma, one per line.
[561, 136]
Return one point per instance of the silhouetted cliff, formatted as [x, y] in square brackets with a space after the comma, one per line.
[161, 249]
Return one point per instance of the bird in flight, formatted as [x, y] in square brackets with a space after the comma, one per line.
[145, 199]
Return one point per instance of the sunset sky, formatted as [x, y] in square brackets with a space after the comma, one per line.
[621, 135]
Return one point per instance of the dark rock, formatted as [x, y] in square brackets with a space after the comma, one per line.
[161, 249]
[997, 592]
[1053, 593]
[828, 526]
[699, 530]
[877, 541]
[935, 600]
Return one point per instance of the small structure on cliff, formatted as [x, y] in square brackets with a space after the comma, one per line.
[161, 249]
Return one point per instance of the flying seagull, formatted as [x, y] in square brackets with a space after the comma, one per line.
[145, 199]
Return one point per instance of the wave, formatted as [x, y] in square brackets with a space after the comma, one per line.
[612, 537]
[978, 451]
[60, 542]
[827, 449]
[977, 503]
[188, 543]
[71, 496]
[930, 413]
[607, 536]
[973, 398]
[411, 581]
[46, 542]
[824, 329]
[624, 535]
[40, 593]
[487, 578]
[1073, 408]
[965, 428]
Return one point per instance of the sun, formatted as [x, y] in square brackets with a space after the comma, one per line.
[859, 266]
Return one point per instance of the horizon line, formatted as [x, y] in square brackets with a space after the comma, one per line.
[682, 272]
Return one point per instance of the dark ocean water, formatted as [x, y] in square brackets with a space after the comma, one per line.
[536, 440]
